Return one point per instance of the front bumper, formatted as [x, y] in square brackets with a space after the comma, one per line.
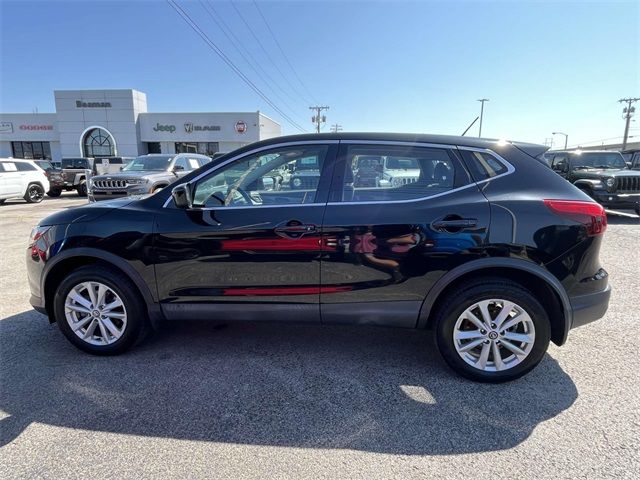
[96, 195]
[618, 200]
[589, 308]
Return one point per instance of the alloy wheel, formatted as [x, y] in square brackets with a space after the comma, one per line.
[95, 313]
[36, 193]
[494, 335]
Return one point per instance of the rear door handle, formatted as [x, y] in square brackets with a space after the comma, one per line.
[295, 231]
[451, 224]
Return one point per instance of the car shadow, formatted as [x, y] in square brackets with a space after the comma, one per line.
[372, 389]
[622, 220]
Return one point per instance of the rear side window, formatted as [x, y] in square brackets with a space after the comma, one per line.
[379, 173]
[483, 165]
[25, 167]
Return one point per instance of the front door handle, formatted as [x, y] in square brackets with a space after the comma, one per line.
[457, 224]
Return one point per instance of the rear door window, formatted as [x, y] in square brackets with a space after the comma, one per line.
[380, 173]
[25, 167]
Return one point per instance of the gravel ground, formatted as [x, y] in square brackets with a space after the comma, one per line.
[198, 400]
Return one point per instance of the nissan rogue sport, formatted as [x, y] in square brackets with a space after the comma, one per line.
[488, 247]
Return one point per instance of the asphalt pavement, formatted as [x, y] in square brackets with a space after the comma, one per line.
[198, 400]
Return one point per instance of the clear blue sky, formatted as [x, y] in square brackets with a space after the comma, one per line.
[383, 66]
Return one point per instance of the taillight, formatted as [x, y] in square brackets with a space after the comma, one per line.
[590, 214]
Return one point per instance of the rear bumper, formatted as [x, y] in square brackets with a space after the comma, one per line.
[589, 308]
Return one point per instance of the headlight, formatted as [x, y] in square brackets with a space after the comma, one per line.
[610, 182]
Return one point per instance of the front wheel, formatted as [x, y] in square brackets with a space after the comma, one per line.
[34, 193]
[492, 331]
[82, 188]
[54, 192]
[99, 310]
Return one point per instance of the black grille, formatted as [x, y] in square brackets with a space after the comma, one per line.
[628, 184]
[110, 184]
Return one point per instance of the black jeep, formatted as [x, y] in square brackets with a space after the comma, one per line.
[602, 175]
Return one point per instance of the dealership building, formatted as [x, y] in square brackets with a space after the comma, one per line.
[91, 123]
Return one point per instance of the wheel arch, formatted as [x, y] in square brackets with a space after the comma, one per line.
[531, 276]
[63, 263]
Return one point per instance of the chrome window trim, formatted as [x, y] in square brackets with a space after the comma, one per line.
[254, 151]
[244, 207]
[510, 170]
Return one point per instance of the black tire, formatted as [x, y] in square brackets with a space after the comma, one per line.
[2, 201]
[34, 193]
[54, 192]
[463, 297]
[157, 188]
[82, 188]
[137, 321]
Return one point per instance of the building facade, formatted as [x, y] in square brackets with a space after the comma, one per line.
[90, 123]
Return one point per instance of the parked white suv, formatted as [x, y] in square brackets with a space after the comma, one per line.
[22, 179]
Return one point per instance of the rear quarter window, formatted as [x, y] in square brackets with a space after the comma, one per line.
[483, 165]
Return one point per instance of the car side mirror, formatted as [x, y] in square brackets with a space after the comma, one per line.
[182, 196]
[177, 168]
[121, 168]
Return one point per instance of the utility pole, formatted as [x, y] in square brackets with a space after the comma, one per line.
[627, 113]
[566, 137]
[317, 118]
[336, 127]
[482, 100]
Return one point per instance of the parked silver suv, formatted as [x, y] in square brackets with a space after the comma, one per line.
[144, 174]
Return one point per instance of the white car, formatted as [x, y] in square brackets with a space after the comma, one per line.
[22, 179]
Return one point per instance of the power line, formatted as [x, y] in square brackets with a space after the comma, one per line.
[194, 26]
[251, 61]
[269, 57]
[284, 55]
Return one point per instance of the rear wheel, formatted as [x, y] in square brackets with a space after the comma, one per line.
[99, 310]
[34, 193]
[492, 330]
[54, 192]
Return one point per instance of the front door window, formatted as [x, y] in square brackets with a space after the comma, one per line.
[274, 177]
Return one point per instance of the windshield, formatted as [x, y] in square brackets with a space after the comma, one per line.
[307, 163]
[154, 163]
[598, 160]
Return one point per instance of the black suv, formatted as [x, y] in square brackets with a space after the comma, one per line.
[498, 256]
[603, 175]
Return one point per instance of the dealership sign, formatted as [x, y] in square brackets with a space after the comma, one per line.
[80, 104]
[190, 127]
[241, 127]
[36, 127]
[6, 127]
[164, 128]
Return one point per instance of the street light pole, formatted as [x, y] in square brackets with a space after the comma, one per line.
[566, 137]
[482, 100]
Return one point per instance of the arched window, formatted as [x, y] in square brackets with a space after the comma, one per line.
[98, 143]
